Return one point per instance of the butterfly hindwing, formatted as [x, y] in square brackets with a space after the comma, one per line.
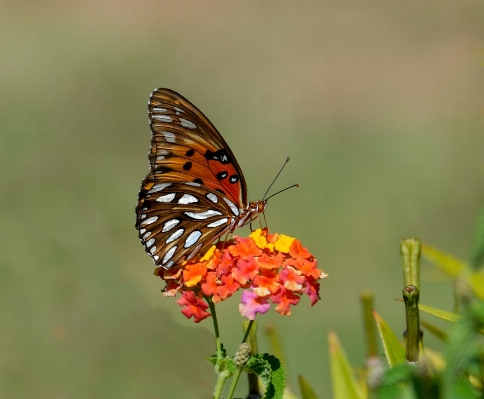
[176, 220]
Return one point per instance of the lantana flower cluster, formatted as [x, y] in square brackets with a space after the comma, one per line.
[267, 267]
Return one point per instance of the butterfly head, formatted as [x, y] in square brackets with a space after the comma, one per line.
[257, 206]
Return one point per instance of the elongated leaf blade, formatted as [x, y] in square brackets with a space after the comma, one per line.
[345, 385]
[307, 390]
[394, 350]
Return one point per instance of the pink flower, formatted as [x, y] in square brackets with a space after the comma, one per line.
[252, 304]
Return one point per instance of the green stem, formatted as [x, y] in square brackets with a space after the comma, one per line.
[411, 296]
[218, 343]
[238, 371]
[222, 377]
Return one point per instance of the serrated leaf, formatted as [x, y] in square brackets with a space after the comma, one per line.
[394, 350]
[344, 382]
[453, 267]
[270, 371]
[307, 390]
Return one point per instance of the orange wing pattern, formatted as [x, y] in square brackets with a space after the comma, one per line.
[195, 190]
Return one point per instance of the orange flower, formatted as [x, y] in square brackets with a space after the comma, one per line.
[271, 262]
[246, 269]
[306, 267]
[296, 249]
[193, 274]
[227, 288]
[267, 267]
[244, 248]
[192, 306]
[284, 299]
[266, 284]
[292, 278]
[209, 286]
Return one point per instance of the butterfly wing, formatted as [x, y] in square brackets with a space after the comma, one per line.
[195, 188]
[185, 146]
[176, 220]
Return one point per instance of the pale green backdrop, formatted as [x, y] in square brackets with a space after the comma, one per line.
[378, 103]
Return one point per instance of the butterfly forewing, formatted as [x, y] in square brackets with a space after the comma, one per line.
[186, 146]
[195, 189]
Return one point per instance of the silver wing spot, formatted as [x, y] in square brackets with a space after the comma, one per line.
[146, 235]
[178, 110]
[159, 187]
[169, 254]
[169, 264]
[174, 236]
[143, 215]
[150, 242]
[192, 238]
[192, 183]
[212, 197]
[156, 257]
[149, 221]
[166, 197]
[218, 222]
[186, 123]
[160, 157]
[160, 109]
[153, 250]
[169, 136]
[232, 206]
[187, 199]
[142, 231]
[169, 224]
[163, 118]
[195, 251]
[203, 215]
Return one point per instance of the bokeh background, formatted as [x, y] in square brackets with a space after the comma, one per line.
[378, 103]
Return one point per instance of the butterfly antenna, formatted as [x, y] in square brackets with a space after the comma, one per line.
[287, 188]
[273, 181]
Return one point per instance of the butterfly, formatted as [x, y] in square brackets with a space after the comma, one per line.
[195, 191]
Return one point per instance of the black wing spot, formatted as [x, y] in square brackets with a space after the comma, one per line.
[220, 156]
[221, 175]
[187, 166]
[234, 179]
[199, 181]
[190, 152]
[220, 191]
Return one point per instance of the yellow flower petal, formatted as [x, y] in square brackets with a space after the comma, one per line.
[259, 238]
[208, 254]
[283, 243]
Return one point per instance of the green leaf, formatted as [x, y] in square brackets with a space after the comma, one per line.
[453, 267]
[307, 390]
[441, 314]
[436, 331]
[270, 371]
[464, 353]
[394, 350]
[345, 385]
[393, 384]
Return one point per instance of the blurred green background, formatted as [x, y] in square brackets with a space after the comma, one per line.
[379, 104]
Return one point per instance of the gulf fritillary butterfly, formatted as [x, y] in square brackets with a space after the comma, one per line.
[195, 191]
